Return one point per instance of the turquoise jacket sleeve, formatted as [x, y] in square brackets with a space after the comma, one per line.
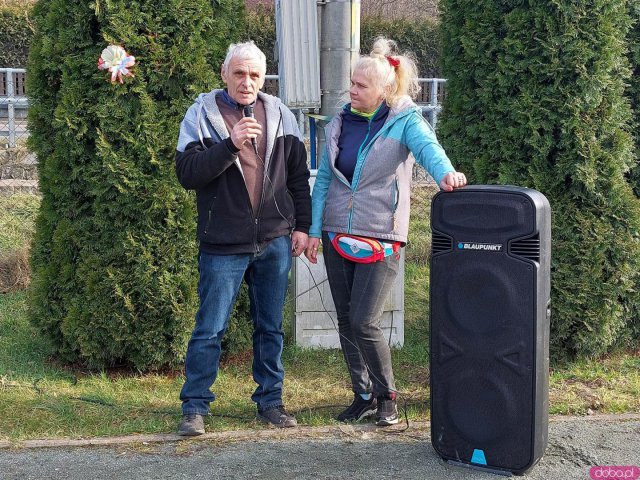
[319, 195]
[421, 140]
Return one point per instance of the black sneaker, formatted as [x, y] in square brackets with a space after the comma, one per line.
[387, 413]
[191, 425]
[278, 417]
[359, 409]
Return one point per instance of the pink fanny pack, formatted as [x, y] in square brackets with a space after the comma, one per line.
[362, 249]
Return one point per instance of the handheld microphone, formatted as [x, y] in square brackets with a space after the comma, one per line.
[247, 111]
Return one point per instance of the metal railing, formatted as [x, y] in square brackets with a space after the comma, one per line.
[431, 98]
[18, 166]
[13, 106]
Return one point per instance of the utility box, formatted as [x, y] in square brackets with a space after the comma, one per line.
[316, 323]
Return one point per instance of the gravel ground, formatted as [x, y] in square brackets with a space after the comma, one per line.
[575, 445]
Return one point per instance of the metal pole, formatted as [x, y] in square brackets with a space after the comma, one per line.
[434, 102]
[339, 47]
[11, 108]
[312, 142]
[300, 118]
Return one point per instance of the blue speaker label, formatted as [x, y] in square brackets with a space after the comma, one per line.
[485, 247]
[478, 457]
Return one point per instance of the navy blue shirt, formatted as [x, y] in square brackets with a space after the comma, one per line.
[356, 133]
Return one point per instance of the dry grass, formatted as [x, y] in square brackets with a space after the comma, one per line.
[15, 272]
[17, 220]
[610, 384]
[17, 225]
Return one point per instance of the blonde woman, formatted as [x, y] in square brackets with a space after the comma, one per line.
[361, 213]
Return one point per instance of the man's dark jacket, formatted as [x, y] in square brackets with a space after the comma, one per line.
[207, 162]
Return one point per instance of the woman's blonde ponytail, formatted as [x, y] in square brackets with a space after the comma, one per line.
[395, 73]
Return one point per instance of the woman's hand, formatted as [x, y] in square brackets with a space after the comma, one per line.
[453, 180]
[312, 249]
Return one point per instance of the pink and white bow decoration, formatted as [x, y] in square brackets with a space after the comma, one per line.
[115, 59]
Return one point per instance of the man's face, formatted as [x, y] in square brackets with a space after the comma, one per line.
[243, 78]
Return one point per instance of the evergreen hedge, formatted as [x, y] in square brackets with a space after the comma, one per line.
[15, 36]
[260, 27]
[535, 98]
[634, 94]
[421, 37]
[115, 257]
[634, 89]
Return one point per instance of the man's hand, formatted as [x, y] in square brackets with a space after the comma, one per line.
[453, 180]
[246, 129]
[298, 243]
[312, 250]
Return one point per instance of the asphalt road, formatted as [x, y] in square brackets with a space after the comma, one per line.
[575, 445]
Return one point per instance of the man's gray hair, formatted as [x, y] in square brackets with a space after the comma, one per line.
[245, 51]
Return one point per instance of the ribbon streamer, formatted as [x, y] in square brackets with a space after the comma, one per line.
[115, 59]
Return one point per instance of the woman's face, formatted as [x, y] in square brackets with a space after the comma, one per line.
[365, 94]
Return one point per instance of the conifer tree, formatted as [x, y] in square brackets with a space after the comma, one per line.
[634, 89]
[115, 257]
[535, 97]
[634, 95]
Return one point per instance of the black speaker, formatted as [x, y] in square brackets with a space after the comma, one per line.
[489, 356]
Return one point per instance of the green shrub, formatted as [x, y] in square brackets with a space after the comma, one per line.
[115, 257]
[420, 37]
[634, 95]
[634, 89]
[260, 26]
[535, 98]
[15, 36]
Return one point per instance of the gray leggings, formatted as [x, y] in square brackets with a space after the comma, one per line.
[359, 291]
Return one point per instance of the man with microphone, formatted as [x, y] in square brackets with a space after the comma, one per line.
[242, 153]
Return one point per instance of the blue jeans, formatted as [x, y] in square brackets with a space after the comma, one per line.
[266, 275]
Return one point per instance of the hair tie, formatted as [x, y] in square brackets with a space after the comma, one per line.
[394, 62]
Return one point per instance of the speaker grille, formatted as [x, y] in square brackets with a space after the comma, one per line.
[440, 243]
[527, 248]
